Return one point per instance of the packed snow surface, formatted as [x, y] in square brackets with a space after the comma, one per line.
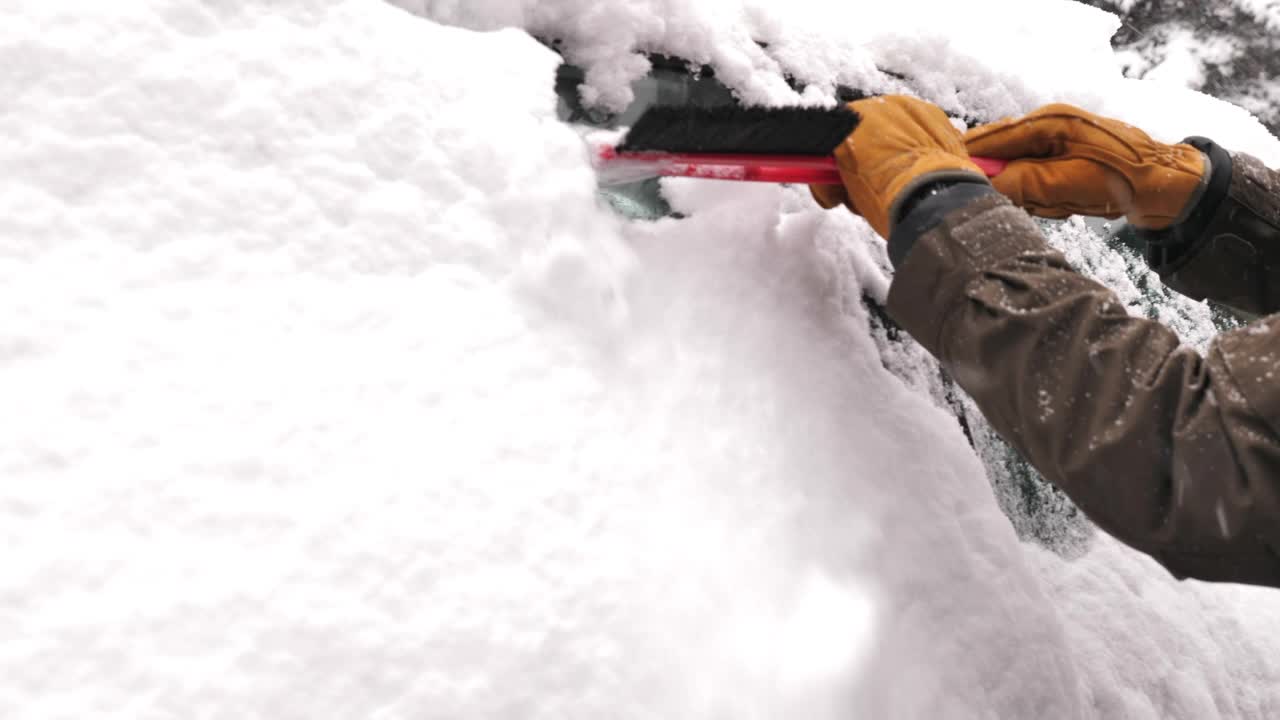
[1268, 11]
[334, 392]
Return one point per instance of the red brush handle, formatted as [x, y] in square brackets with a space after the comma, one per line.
[808, 169]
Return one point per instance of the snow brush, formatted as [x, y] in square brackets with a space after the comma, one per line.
[753, 144]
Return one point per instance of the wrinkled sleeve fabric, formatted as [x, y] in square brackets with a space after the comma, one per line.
[1228, 250]
[1174, 453]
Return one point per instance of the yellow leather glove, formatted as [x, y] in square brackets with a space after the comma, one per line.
[900, 145]
[1066, 161]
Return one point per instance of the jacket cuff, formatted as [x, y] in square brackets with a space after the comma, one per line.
[926, 208]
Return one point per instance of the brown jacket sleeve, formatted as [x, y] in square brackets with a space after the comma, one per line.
[1176, 454]
[1229, 249]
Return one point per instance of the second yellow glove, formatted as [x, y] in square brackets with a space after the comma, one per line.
[1067, 161]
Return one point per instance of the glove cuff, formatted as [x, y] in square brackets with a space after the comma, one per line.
[935, 171]
[1198, 194]
[926, 208]
[1167, 246]
[1170, 186]
[878, 192]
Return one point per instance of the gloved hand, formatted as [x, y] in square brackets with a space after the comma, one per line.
[900, 144]
[1066, 161]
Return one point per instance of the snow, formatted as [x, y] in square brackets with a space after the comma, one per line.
[1010, 61]
[1266, 11]
[1186, 53]
[336, 392]
[1191, 320]
[1264, 97]
[1224, 48]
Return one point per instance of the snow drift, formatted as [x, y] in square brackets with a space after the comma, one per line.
[333, 391]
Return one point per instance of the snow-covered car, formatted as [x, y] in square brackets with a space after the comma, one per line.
[335, 388]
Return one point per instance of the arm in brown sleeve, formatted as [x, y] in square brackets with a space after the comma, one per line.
[1228, 249]
[1176, 454]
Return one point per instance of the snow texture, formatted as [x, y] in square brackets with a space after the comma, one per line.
[335, 392]
[983, 60]
[1226, 48]
[1266, 11]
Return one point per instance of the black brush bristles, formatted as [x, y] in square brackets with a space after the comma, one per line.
[747, 130]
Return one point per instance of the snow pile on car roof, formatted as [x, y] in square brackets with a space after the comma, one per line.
[982, 59]
[332, 391]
